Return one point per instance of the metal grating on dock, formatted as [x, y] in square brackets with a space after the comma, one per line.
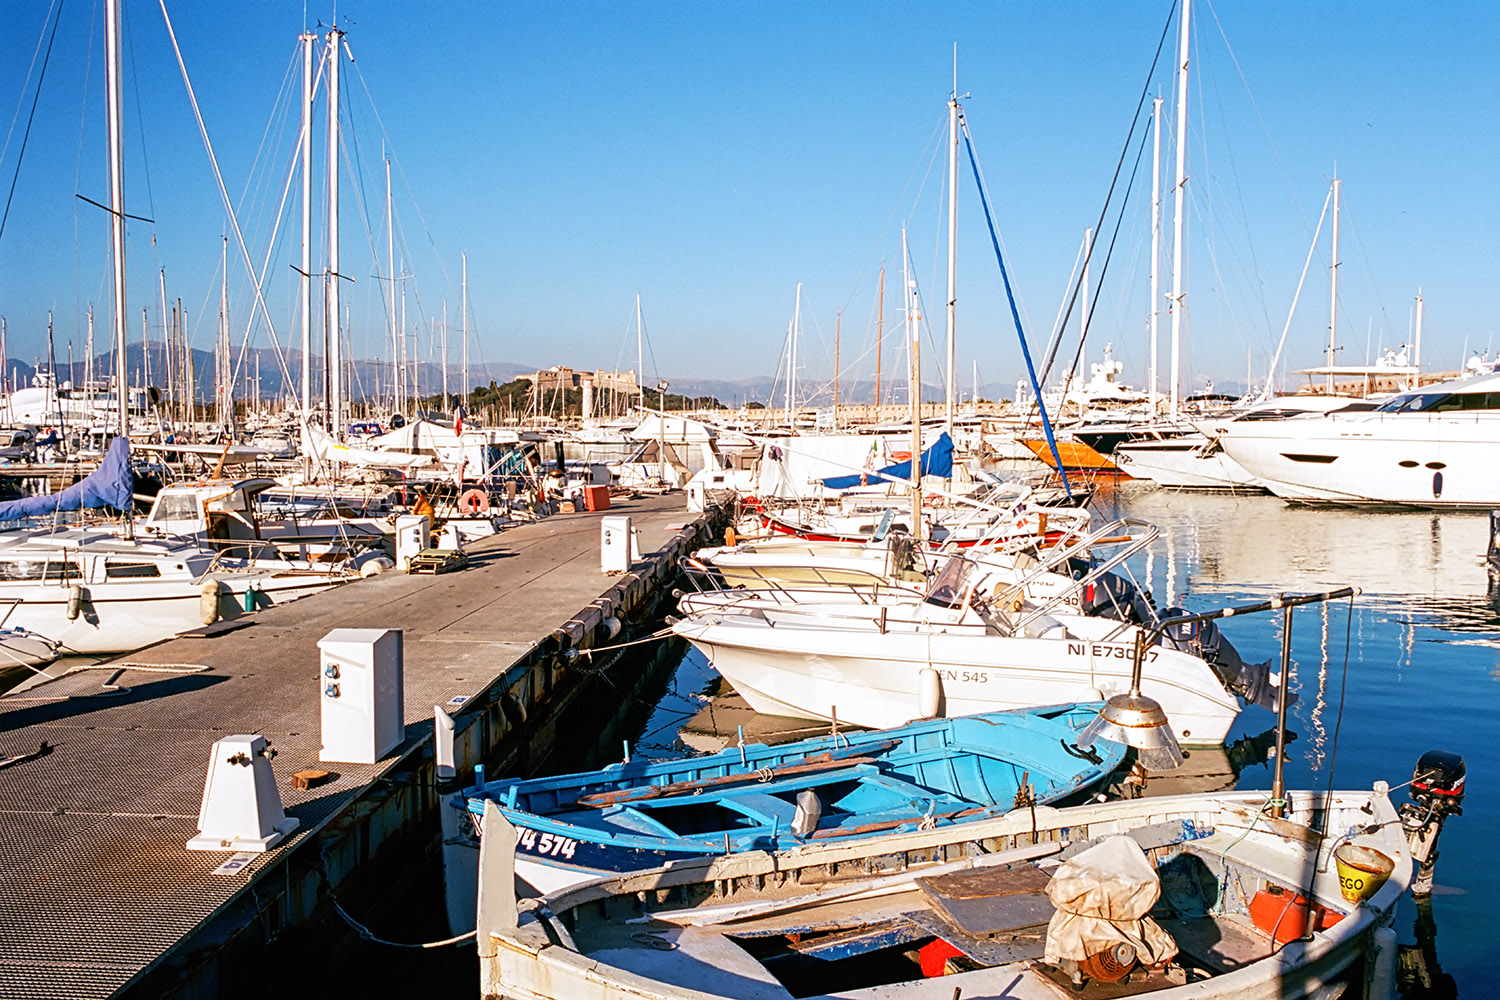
[96, 886]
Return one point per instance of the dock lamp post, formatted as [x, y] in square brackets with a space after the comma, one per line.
[1139, 721]
[661, 430]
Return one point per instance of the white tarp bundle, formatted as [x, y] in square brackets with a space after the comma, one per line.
[794, 468]
[1102, 897]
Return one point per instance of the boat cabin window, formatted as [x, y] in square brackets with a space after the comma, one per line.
[952, 583]
[119, 571]
[176, 507]
[39, 569]
[1441, 402]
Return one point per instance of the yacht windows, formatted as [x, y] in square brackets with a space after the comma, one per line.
[117, 571]
[948, 590]
[39, 569]
[1441, 402]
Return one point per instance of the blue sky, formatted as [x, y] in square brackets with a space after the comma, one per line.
[712, 156]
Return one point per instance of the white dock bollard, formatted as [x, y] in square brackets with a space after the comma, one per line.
[413, 534]
[360, 692]
[241, 808]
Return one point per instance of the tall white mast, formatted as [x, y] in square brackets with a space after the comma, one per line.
[307, 292]
[1177, 202]
[465, 309]
[445, 355]
[914, 386]
[1333, 292]
[390, 270]
[1083, 298]
[640, 356]
[791, 378]
[1155, 246]
[335, 352]
[952, 236]
[117, 205]
[1416, 351]
[225, 375]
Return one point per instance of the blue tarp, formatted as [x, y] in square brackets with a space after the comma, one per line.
[110, 485]
[936, 461]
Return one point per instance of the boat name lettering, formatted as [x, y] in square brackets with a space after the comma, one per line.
[976, 676]
[1106, 650]
[547, 845]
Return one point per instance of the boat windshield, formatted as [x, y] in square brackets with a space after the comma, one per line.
[952, 583]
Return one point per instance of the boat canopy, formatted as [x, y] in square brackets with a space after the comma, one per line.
[110, 485]
[936, 461]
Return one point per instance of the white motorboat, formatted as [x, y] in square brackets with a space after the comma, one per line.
[1229, 898]
[94, 591]
[1435, 446]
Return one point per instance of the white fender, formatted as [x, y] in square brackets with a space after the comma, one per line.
[208, 601]
[929, 693]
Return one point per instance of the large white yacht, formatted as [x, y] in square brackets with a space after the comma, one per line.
[1435, 446]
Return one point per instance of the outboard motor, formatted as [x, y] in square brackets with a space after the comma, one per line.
[1251, 681]
[1437, 792]
[1113, 596]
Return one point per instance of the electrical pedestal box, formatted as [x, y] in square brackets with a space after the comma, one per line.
[618, 546]
[359, 683]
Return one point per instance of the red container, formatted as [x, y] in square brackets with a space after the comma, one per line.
[596, 498]
[1284, 915]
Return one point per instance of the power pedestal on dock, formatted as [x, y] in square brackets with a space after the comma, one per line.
[361, 694]
[241, 808]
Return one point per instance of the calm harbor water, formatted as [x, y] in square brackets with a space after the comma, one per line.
[1411, 664]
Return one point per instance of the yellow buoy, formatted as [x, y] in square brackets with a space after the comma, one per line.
[1362, 871]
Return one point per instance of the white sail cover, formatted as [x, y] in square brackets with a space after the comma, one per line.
[1102, 897]
[325, 449]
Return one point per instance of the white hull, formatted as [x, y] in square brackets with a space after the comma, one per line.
[120, 618]
[872, 679]
[1181, 463]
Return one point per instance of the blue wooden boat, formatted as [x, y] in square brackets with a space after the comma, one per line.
[927, 774]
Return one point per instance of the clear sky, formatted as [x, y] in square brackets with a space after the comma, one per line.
[710, 156]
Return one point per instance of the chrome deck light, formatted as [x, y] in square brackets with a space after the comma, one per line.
[1136, 721]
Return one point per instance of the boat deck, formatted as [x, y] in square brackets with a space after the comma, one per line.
[97, 886]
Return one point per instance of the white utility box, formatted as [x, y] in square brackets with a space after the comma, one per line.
[413, 534]
[618, 545]
[359, 683]
[241, 808]
[450, 539]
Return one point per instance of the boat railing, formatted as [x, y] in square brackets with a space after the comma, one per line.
[869, 586]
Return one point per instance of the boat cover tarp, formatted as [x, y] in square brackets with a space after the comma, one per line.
[789, 465]
[936, 461]
[110, 485]
[1103, 897]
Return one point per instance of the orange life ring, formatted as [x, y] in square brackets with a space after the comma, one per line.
[474, 501]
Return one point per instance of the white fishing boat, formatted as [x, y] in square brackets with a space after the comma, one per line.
[1223, 895]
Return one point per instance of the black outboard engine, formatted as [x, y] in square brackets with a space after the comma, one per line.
[1251, 681]
[1437, 792]
[1113, 596]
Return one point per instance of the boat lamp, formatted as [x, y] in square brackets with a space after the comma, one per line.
[1137, 721]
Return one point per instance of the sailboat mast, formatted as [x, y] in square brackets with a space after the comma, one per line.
[335, 352]
[390, 271]
[1155, 246]
[879, 335]
[791, 379]
[1177, 205]
[952, 236]
[838, 319]
[1333, 292]
[307, 294]
[225, 374]
[914, 387]
[1416, 351]
[445, 355]
[117, 202]
[465, 310]
[640, 356]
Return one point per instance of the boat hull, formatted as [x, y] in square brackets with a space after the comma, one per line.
[817, 673]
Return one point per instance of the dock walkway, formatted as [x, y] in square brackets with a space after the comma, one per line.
[98, 894]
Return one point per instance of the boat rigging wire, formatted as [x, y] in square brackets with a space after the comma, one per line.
[31, 115]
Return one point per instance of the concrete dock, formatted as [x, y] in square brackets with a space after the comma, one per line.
[98, 896]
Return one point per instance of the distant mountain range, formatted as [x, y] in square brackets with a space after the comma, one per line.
[372, 379]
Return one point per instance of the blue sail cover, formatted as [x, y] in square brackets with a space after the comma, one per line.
[110, 485]
[936, 461]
